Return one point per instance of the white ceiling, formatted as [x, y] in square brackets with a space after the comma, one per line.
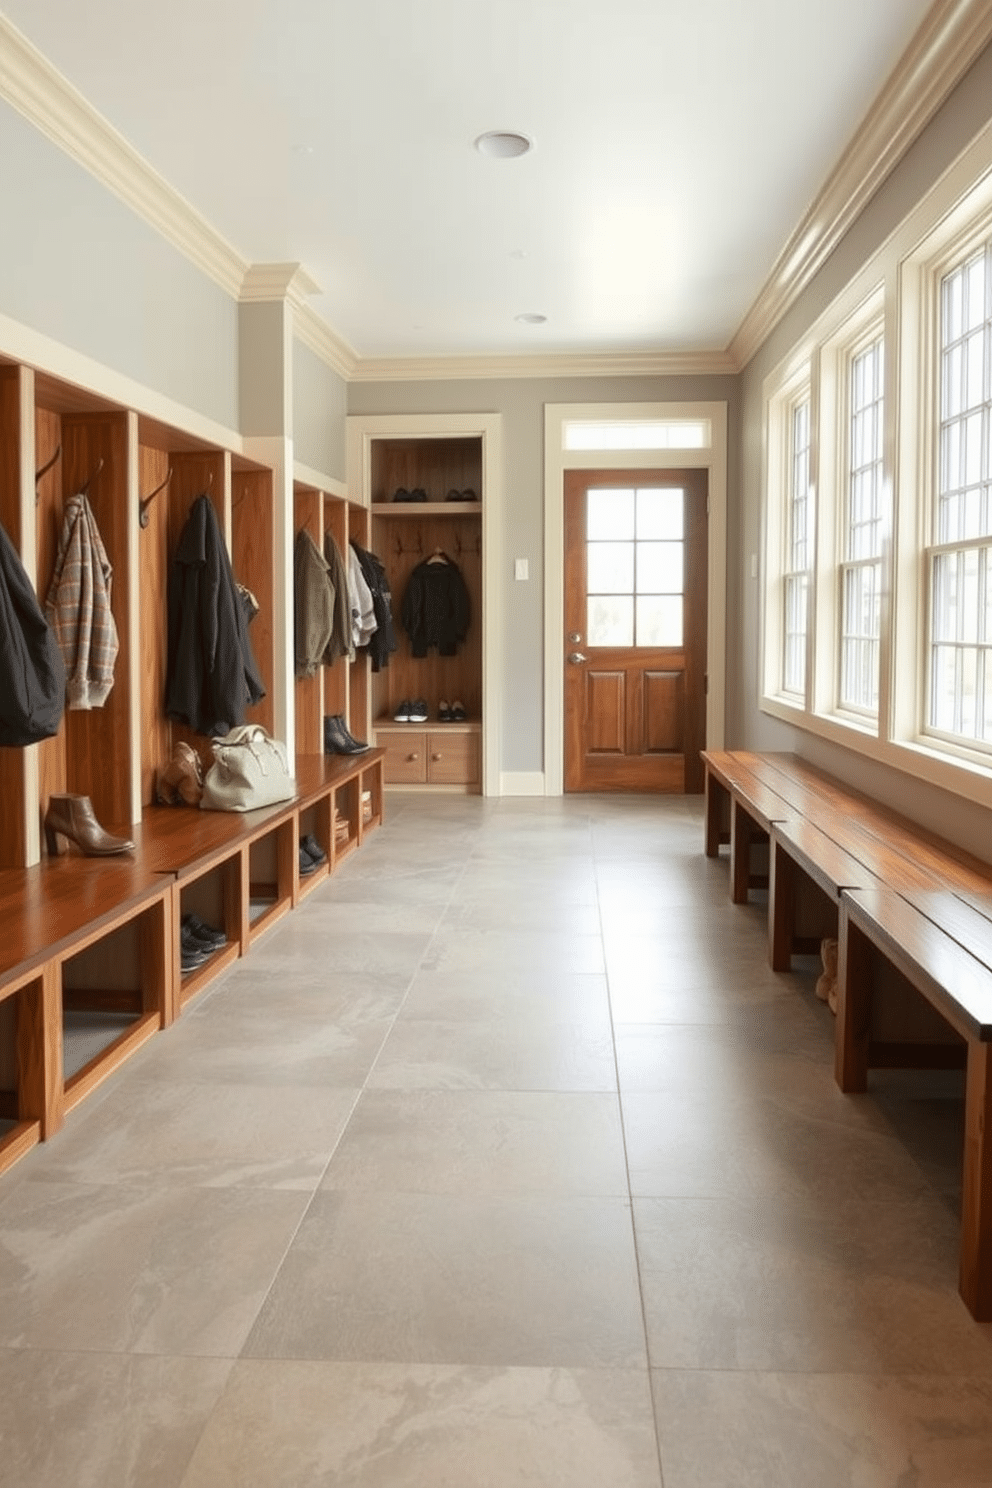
[677, 145]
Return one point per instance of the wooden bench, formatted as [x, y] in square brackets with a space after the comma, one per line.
[90, 936]
[894, 891]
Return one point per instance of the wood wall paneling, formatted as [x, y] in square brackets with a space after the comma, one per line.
[13, 803]
[252, 561]
[153, 551]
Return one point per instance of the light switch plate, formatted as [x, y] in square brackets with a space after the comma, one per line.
[521, 568]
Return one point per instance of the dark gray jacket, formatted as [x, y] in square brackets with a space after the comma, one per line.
[32, 674]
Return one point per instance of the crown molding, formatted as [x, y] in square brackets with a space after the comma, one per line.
[614, 364]
[325, 343]
[31, 85]
[278, 281]
[949, 40]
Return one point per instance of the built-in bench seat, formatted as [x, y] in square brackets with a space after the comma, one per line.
[899, 900]
[91, 946]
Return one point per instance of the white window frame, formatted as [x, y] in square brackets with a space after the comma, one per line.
[895, 292]
[788, 390]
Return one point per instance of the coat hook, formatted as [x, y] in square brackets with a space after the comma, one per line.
[146, 503]
[84, 488]
[45, 469]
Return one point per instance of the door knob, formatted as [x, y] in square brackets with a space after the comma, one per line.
[575, 658]
[575, 637]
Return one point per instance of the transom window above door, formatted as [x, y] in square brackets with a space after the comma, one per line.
[635, 566]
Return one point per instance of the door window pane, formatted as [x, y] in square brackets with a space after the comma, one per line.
[661, 513]
[609, 515]
[659, 568]
[610, 567]
[659, 620]
[610, 620]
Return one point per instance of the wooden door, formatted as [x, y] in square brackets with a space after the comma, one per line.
[635, 630]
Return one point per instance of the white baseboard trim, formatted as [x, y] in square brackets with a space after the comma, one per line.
[521, 783]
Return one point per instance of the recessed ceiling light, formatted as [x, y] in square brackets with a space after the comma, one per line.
[503, 144]
[531, 317]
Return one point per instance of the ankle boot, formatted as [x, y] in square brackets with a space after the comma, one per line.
[337, 739]
[182, 778]
[71, 817]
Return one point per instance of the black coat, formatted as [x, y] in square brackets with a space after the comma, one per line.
[212, 677]
[32, 673]
[436, 608]
[383, 639]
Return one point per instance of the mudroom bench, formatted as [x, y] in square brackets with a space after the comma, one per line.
[913, 918]
[90, 963]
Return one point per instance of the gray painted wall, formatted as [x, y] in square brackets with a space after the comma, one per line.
[320, 402]
[967, 110]
[521, 403]
[79, 266]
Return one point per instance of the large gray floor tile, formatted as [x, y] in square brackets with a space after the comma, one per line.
[503, 1055]
[481, 1142]
[738, 1430]
[139, 1270]
[95, 1420]
[298, 1425]
[451, 1279]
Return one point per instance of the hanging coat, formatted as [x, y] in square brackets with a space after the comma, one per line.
[78, 608]
[436, 607]
[212, 674]
[313, 604]
[32, 673]
[340, 642]
[383, 641]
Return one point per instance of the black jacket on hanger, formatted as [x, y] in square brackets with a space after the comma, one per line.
[212, 677]
[436, 609]
[32, 673]
[383, 639]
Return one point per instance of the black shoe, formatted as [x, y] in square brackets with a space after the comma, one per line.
[307, 864]
[358, 746]
[192, 952]
[313, 849]
[418, 711]
[337, 740]
[443, 712]
[457, 712]
[207, 935]
[402, 714]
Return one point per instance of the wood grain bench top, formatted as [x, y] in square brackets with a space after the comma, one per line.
[911, 933]
[60, 904]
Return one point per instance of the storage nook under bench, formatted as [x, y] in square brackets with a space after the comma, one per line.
[913, 918]
[90, 958]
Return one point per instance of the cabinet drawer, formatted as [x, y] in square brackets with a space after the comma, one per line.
[406, 756]
[452, 758]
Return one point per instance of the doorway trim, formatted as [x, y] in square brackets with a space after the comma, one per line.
[557, 460]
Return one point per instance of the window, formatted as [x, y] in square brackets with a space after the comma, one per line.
[635, 566]
[860, 569]
[797, 560]
[959, 557]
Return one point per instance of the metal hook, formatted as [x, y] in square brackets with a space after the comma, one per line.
[44, 471]
[146, 503]
[84, 488]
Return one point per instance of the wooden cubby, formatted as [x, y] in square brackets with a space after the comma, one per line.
[436, 755]
[90, 965]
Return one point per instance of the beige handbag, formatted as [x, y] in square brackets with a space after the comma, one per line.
[250, 769]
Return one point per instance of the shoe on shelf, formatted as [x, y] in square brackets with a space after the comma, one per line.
[313, 849]
[402, 714]
[418, 711]
[443, 712]
[307, 864]
[208, 935]
[337, 739]
[458, 714]
[192, 952]
[71, 818]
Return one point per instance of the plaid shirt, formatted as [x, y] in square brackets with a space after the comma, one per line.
[78, 608]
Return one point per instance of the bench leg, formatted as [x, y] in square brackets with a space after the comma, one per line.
[851, 1035]
[781, 906]
[976, 1207]
[741, 837]
[39, 1051]
[716, 797]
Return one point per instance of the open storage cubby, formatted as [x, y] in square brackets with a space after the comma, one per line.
[405, 534]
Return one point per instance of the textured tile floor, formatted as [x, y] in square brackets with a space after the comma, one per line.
[505, 1160]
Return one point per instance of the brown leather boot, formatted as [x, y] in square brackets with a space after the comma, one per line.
[182, 778]
[71, 818]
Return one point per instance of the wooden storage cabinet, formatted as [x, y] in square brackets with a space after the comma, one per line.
[447, 755]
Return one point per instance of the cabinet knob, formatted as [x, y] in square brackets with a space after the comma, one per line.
[435, 756]
[413, 756]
